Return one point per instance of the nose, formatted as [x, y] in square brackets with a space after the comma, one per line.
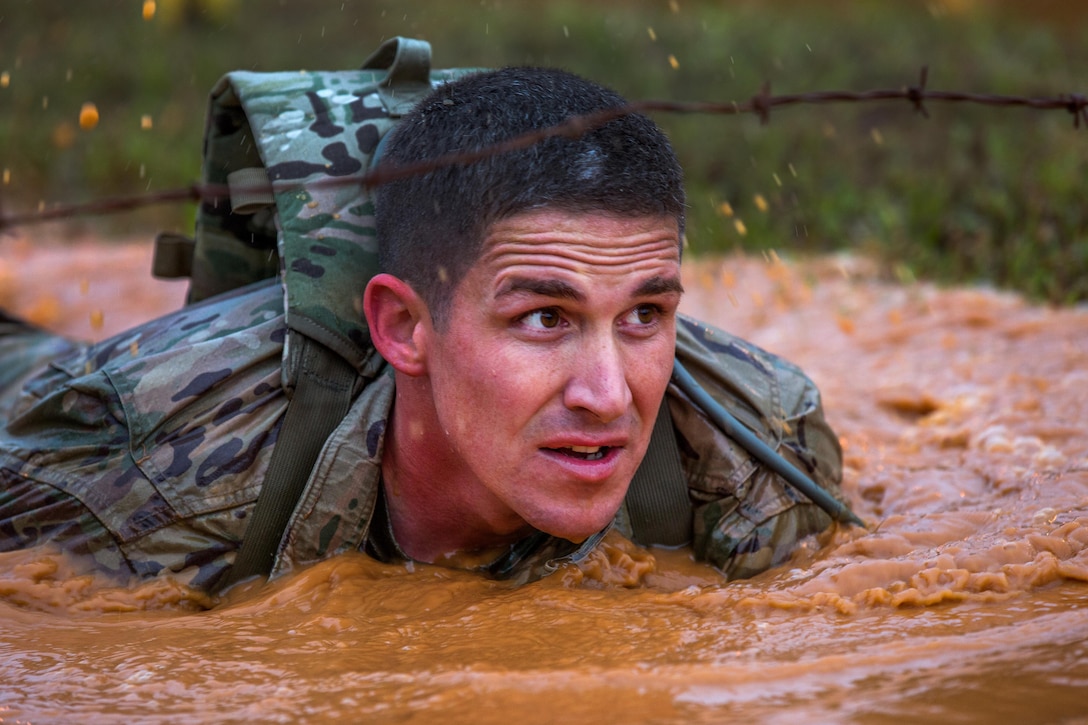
[598, 380]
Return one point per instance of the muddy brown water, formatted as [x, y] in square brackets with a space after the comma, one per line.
[962, 416]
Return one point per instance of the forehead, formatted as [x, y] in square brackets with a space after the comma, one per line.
[579, 241]
[601, 223]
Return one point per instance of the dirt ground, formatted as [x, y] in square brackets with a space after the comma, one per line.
[84, 288]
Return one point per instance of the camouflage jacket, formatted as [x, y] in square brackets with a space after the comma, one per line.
[148, 450]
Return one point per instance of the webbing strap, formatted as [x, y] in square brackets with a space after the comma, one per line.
[409, 78]
[321, 400]
[173, 257]
[250, 190]
[657, 500]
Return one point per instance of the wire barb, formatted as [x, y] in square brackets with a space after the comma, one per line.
[915, 94]
[761, 103]
[1077, 105]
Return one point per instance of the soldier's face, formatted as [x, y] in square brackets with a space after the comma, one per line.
[555, 357]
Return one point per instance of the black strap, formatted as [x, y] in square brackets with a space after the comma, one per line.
[657, 500]
[766, 455]
[321, 400]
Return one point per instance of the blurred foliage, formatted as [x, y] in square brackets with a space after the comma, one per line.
[969, 194]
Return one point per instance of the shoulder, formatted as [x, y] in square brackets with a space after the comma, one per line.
[755, 384]
[241, 311]
[771, 396]
[747, 518]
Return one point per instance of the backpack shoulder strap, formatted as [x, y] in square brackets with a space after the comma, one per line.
[657, 500]
[322, 398]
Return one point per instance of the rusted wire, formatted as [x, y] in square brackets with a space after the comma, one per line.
[759, 104]
[114, 205]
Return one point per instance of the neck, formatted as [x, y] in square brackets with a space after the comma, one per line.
[438, 508]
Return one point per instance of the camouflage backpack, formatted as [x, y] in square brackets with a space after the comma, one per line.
[291, 147]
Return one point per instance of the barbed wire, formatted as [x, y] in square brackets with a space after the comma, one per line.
[759, 104]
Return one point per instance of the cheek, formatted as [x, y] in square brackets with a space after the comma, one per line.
[483, 389]
[517, 386]
[651, 371]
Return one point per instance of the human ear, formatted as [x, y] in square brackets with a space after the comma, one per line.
[396, 316]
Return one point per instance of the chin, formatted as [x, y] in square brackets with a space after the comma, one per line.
[578, 530]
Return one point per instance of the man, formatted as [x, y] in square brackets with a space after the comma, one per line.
[527, 317]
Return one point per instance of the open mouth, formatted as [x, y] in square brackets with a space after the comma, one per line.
[584, 453]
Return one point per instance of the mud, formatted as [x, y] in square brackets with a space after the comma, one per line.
[961, 413]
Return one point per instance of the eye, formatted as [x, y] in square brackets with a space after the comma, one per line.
[644, 314]
[545, 319]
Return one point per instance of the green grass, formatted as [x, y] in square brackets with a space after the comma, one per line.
[970, 194]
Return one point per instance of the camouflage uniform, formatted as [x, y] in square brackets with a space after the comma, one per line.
[148, 450]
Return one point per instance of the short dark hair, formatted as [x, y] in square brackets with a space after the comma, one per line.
[431, 227]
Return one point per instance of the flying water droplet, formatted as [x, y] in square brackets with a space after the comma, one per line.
[88, 116]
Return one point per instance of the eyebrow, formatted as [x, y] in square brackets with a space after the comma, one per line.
[659, 286]
[543, 287]
[563, 290]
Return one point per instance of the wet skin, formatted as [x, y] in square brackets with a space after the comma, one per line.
[532, 406]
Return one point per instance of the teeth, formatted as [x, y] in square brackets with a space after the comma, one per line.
[587, 453]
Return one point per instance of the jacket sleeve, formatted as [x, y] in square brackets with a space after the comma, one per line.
[747, 518]
[146, 451]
